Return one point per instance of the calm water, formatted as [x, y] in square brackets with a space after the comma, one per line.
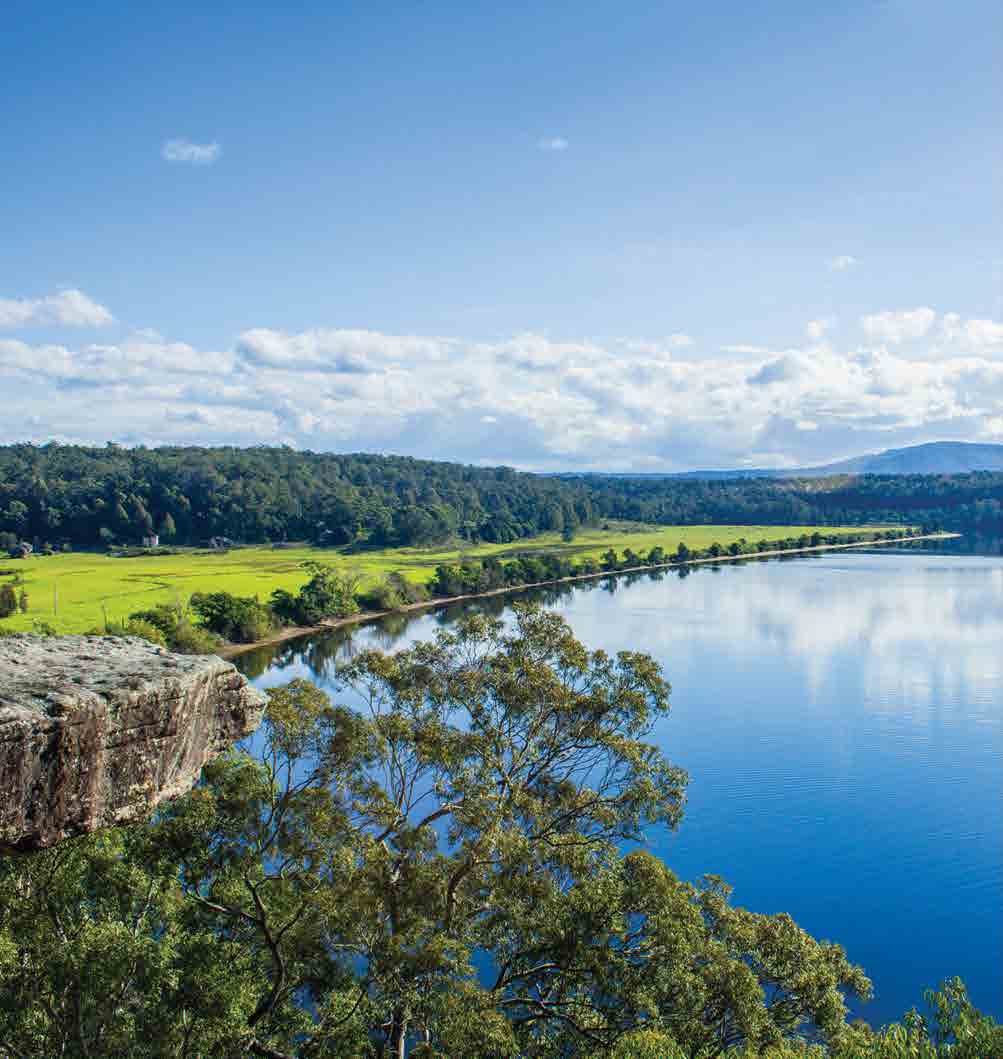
[841, 718]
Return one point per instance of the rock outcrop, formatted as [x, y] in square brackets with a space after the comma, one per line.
[96, 731]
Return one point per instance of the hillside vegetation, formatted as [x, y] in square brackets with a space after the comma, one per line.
[99, 497]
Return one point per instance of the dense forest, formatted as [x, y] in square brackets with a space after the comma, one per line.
[96, 497]
[961, 501]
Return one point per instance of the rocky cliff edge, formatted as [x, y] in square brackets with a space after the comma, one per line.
[96, 731]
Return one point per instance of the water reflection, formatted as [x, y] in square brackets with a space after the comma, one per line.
[841, 717]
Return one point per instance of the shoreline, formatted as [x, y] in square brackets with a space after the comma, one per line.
[295, 632]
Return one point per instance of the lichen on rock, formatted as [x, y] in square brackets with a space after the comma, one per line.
[97, 730]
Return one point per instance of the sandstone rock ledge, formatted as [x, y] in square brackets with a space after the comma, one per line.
[96, 731]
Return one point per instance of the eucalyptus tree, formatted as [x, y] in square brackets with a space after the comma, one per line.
[432, 865]
[390, 842]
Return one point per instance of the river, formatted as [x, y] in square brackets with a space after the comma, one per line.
[841, 719]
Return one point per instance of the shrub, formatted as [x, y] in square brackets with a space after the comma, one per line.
[190, 639]
[8, 601]
[146, 631]
[329, 593]
[285, 606]
[392, 593]
[133, 627]
[236, 618]
[165, 616]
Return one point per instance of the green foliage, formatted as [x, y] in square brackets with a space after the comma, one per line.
[392, 592]
[86, 583]
[165, 616]
[94, 497]
[188, 639]
[168, 528]
[235, 618]
[330, 593]
[97, 959]
[133, 627]
[646, 1044]
[175, 630]
[951, 1027]
[473, 576]
[8, 601]
[327, 897]
[144, 629]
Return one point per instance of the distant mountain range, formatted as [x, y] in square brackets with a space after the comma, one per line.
[935, 457]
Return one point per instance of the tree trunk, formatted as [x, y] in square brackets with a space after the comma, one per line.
[398, 1034]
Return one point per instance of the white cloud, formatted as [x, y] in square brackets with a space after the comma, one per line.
[745, 349]
[72, 308]
[976, 335]
[330, 350]
[183, 150]
[785, 369]
[553, 143]
[815, 329]
[842, 262]
[679, 341]
[528, 400]
[896, 327]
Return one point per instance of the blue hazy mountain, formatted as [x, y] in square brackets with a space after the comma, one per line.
[935, 457]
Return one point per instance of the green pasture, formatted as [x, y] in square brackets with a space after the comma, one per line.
[74, 592]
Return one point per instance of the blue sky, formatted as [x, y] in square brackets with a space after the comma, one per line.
[553, 235]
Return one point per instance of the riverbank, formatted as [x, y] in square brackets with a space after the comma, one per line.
[74, 592]
[363, 617]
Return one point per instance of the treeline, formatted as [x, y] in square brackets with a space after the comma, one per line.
[956, 502]
[473, 576]
[72, 496]
[97, 497]
[213, 618]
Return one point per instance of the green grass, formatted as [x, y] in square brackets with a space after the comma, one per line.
[72, 592]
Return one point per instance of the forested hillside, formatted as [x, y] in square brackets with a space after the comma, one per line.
[95, 497]
[961, 501]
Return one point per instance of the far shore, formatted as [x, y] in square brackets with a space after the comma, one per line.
[294, 632]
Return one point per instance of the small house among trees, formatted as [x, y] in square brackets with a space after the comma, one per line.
[151, 540]
[21, 550]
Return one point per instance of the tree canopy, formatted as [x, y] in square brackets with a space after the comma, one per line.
[97, 497]
[448, 861]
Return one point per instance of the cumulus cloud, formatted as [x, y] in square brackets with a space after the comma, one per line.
[553, 143]
[979, 335]
[815, 329]
[183, 150]
[71, 308]
[842, 262]
[896, 327]
[784, 369]
[529, 400]
[140, 361]
[338, 351]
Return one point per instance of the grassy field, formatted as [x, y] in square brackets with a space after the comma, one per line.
[73, 592]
